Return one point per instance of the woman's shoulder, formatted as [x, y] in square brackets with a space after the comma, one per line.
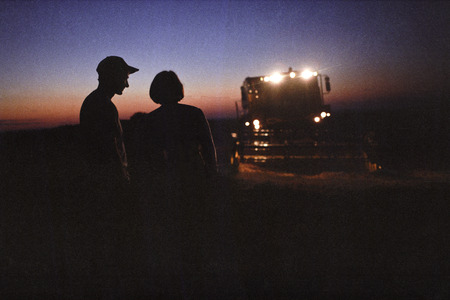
[143, 120]
[153, 114]
[189, 109]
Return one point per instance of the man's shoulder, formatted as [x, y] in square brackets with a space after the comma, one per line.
[95, 100]
[96, 95]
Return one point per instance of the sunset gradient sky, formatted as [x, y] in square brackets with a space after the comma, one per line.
[374, 52]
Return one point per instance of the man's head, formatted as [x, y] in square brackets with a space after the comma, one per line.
[113, 72]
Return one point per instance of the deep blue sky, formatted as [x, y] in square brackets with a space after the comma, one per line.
[372, 50]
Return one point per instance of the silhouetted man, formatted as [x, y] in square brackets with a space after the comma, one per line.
[100, 124]
[101, 226]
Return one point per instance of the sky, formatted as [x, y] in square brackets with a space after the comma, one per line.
[373, 51]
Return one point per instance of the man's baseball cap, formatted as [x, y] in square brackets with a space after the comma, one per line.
[114, 64]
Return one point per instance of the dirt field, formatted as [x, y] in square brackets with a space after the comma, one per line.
[272, 234]
[280, 236]
[341, 235]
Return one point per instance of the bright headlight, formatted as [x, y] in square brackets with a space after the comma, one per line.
[317, 119]
[323, 115]
[306, 74]
[292, 74]
[276, 77]
[256, 124]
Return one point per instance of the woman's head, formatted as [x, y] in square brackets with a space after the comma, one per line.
[166, 88]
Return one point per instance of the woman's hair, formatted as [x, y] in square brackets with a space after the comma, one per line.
[166, 88]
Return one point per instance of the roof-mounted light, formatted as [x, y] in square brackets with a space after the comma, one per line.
[308, 74]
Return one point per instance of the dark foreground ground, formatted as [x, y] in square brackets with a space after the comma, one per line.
[273, 242]
[274, 235]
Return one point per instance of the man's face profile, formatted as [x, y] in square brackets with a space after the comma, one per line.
[120, 82]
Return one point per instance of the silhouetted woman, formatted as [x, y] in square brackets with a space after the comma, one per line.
[174, 142]
[175, 160]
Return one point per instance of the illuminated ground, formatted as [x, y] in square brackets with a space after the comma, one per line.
[328, 183]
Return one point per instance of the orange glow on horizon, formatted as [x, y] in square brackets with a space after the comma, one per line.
[34, 112]
[50, 109]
